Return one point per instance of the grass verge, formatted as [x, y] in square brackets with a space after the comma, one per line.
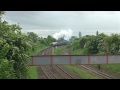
[77, 52]
[112, 67]
[59, 50]
[81, 72]
[38, 48]
[33, 72]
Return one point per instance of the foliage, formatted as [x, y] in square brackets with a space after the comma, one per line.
[72, 38]
[100, 44]
[75, 44]
[50, 39]
[16, 48]
[33, 72]
[59, 50]
[6, 69]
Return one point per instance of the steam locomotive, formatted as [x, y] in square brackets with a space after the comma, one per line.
[54, 44]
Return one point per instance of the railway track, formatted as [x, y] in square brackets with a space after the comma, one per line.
[41, 74]
[101, 74]
[67, 52]
[46, 51]
[47, 72]
[105, 76]
[70, 73]
[60, 72]
[42, 52]
[64, 74]
[56, 71]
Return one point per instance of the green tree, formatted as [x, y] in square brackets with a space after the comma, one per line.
[14, 46]
[72, 38]
[50, 39]
[33, 36]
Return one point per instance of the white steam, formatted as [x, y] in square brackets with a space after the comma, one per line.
[66, 33]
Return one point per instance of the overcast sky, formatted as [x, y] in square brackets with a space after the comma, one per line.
[49, 22]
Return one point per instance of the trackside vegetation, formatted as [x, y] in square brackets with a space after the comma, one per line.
[16, 48]
[95, 44]
[98, 44]
[81, 72]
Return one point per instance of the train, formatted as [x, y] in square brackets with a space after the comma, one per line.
[60, 43]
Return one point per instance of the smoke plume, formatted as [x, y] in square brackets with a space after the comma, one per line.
[66, 33]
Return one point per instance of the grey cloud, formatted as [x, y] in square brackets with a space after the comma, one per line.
[85, 21]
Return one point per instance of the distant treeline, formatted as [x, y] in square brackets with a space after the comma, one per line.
[99, 44]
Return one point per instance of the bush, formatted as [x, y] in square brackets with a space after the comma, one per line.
[6, 69]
